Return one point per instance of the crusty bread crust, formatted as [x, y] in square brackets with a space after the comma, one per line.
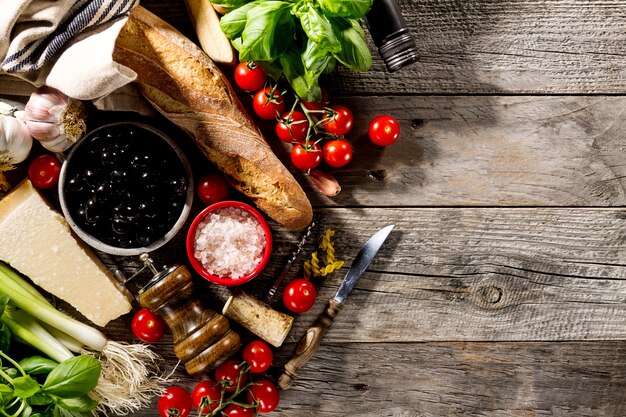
[183, 84]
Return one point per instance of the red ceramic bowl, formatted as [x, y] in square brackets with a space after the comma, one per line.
[227, 281]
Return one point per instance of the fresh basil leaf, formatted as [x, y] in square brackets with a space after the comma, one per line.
[4, 300]
[353, 9]
[6, 394]
[268, 32]
[73, 377]
[25, 386]
[317, 27]
[314, 58]
[40, 398]
[37, 365]
[291, 61]
[354, 51]
[27, 412]
[5, 338]
[233, 22]
[230, 4]
[83, 403]
[330, 67]
[59, 411]
[237, 42]
[273, 69]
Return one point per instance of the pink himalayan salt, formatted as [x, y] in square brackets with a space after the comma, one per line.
[229, 242]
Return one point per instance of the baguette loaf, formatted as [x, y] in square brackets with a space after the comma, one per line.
[185, 86]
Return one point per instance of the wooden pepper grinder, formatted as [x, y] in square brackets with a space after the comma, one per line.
[203, 338]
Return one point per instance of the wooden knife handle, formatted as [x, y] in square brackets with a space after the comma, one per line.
[308, 344]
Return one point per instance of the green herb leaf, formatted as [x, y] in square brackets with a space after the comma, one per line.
[233, 22]
[6, 394]
[37, 365]
[308, 90]
[60, 411]
[4, 300]
[354, 52]
[83, 403]
[353, 9]
[5, 338]
[268, 32]
[40, 398]
[315, 58]
[317, 27]
[73, 377]
[273, 69]
[230, 4]
[25, 386]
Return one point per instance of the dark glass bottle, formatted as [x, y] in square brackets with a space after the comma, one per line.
[391, 34]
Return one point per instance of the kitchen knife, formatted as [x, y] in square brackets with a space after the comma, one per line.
[310, 341]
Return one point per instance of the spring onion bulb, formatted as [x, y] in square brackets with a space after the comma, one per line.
[130, 375]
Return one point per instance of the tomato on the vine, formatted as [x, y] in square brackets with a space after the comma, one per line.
[304, 158]
[299, 295]
[230, 371]
[317, 105]
[235, 410]
[384, 130]
[206, 396]
[148, 326]
[267, 104]
[337, 153]
[292, 127]
[338, 121]
[265, 394]
[259, 355]
[249, 76]
[44, 171]
[213, 188]
[175, 402]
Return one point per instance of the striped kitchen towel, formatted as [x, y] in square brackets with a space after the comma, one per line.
[66, 44]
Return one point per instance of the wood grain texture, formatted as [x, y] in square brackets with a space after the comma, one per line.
[510, 46]
[504, 151]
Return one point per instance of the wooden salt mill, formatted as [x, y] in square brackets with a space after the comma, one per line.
[203, 338]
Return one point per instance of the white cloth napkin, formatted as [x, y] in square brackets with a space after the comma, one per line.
[65, 44]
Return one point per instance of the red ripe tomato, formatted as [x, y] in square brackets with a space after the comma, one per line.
[384, 130]
[175, 401]
[265, 395]
[337, 153]
[249, 76]
[259, 355]
[230, 371]
[317, 105]
[303, 158]
[235, 410]
[292, 127]
[213, 188]
[268, 105]
[339, 121]
[299, 295]
[206, 396]
[148, 326]
[44, 171]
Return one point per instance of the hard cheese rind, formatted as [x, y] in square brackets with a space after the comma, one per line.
[37, 241]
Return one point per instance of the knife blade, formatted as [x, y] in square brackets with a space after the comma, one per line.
[310, 341]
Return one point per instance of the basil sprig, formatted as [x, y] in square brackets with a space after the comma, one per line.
[300, 39]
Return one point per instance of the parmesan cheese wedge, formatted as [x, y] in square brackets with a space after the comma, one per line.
[38, 242]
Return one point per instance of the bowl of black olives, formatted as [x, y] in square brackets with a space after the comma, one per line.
[126, 188]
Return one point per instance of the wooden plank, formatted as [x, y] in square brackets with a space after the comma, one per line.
[509, 46]
[505, 151]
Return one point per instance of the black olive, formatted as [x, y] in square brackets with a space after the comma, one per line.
[120, 226]
[92, 177]
[75, 184]
[93, 211]
[125, 213]
[123, 242]
[178, 186]
[146, 235]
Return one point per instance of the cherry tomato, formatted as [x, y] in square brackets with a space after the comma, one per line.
[213, 188]
[339, 121]
[292, 128]
[230, 371]
[175, 401]
[259, 355]
[44, 171]
[148, 326]
[267, 105]
[265, 394]
[317, 105]
[206, 396]
[337, 153]
[299, 295]
[249, 76]
[234, 410]
[303, 158]
[384, 130]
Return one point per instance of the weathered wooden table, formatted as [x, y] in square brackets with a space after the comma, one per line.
[502, 291]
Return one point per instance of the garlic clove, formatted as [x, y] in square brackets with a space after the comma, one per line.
[15, 142]
[59, 144]
[43, 131]
[324, 182]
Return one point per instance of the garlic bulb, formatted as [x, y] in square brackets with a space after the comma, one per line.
[15, 142]
[55, 119]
